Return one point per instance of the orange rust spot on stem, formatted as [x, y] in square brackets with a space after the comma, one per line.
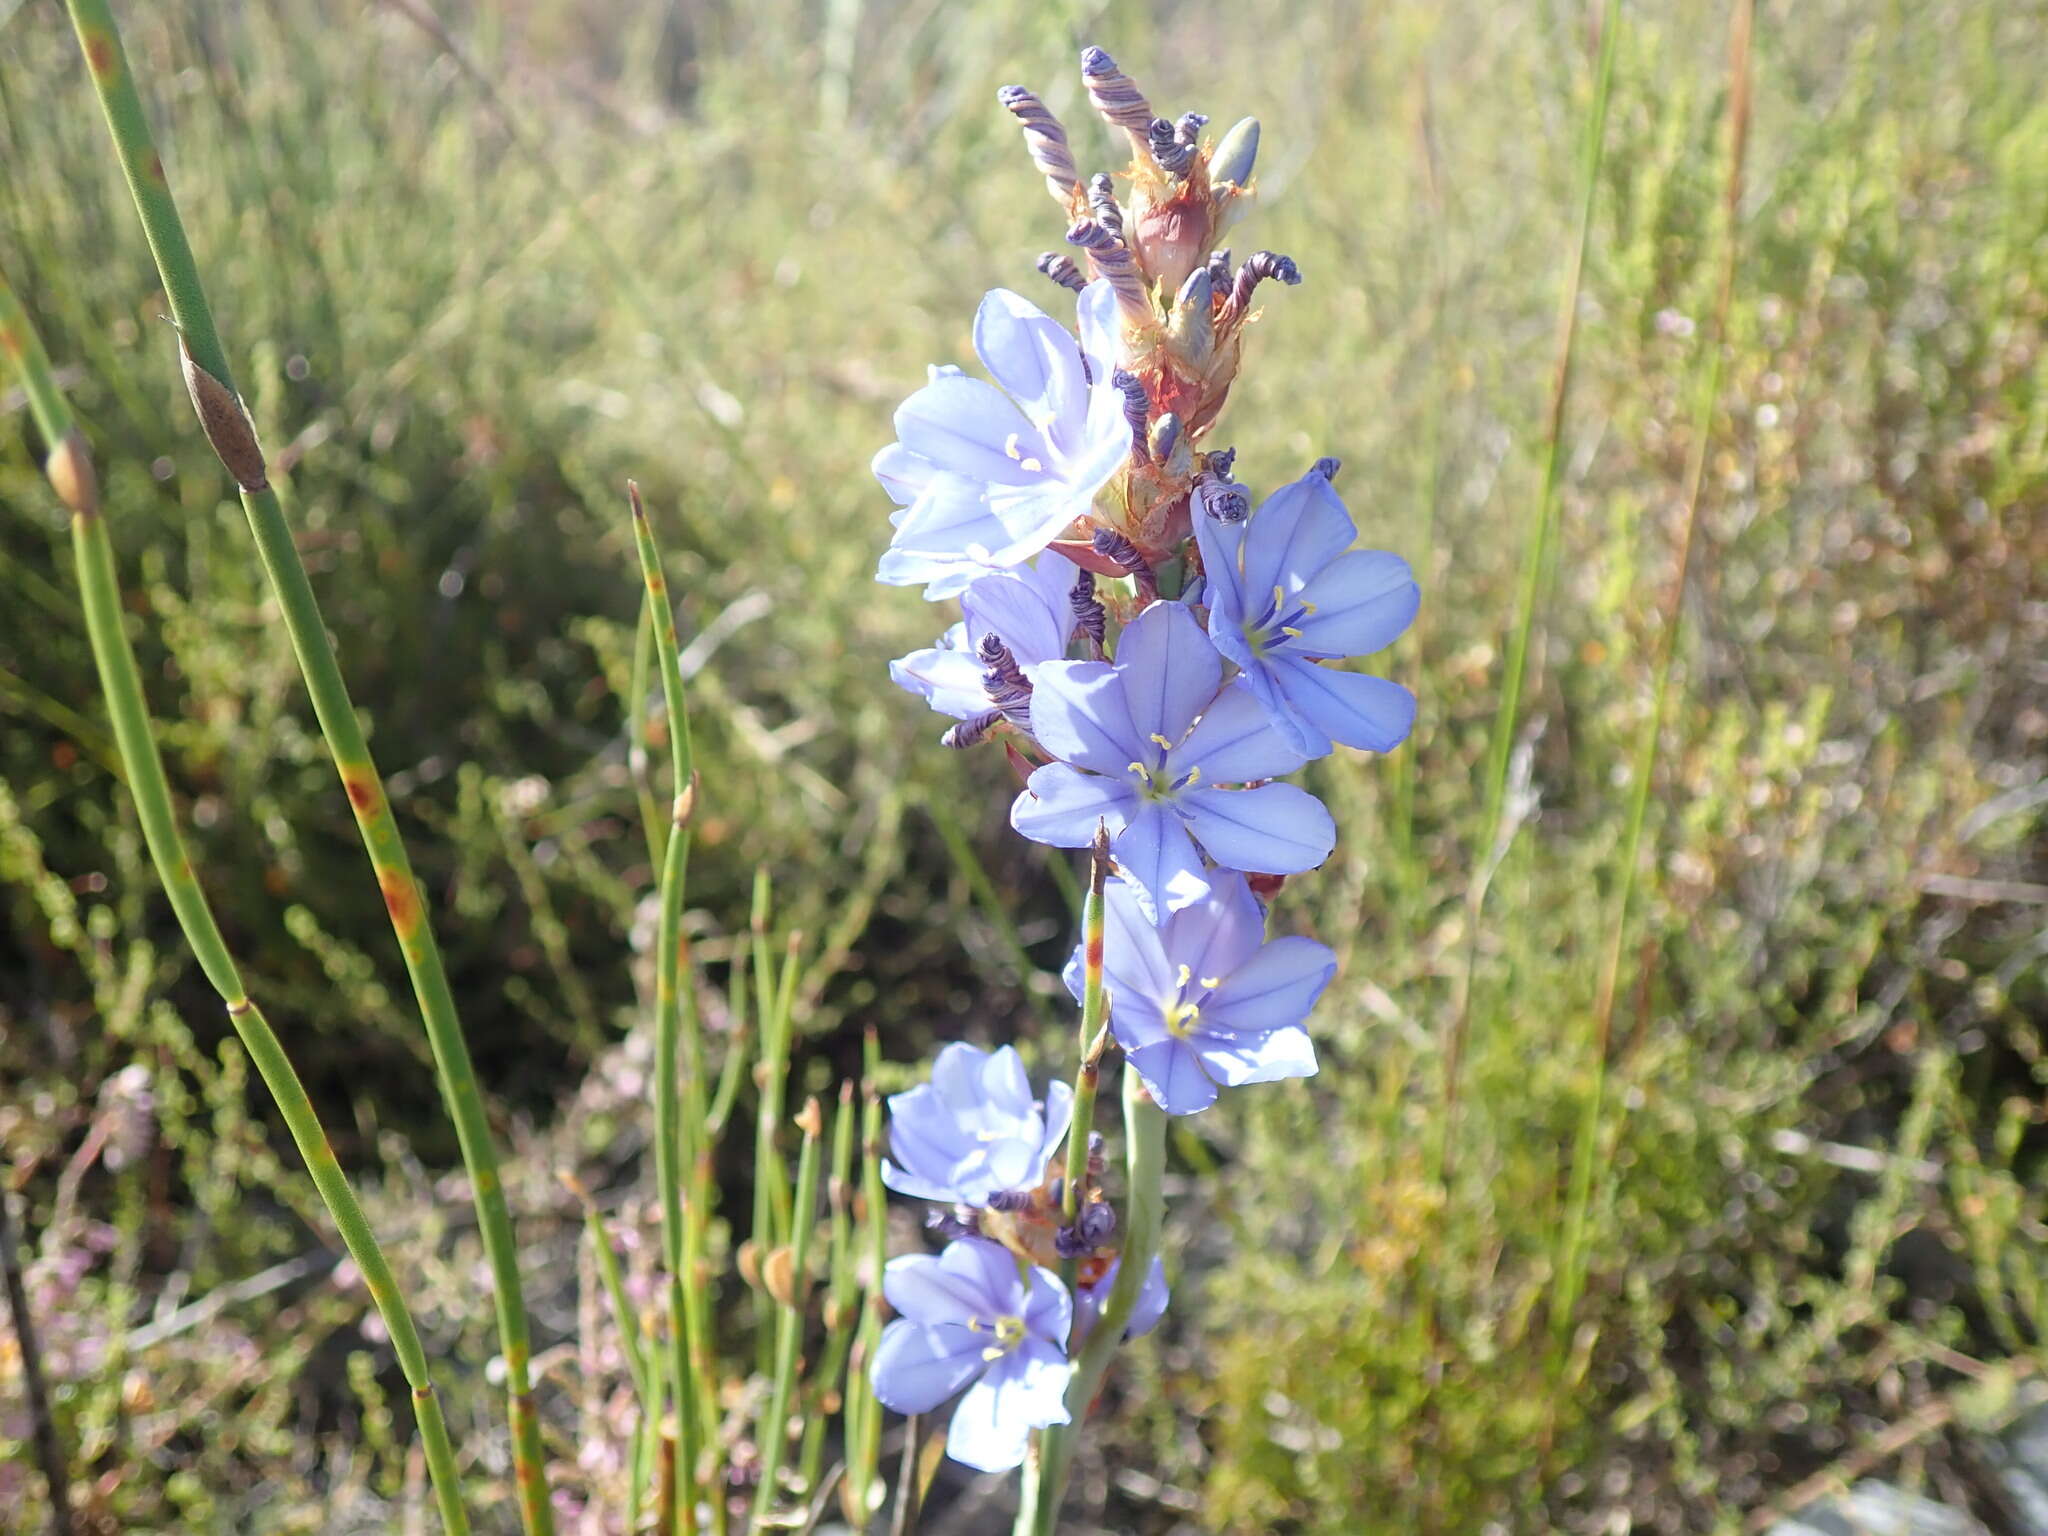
[99, 54]
[362, 794]
[156, 167]
[10, 343]
[401, 901]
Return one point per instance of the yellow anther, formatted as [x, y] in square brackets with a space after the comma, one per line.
[1309, 609]
[1279, 593]
[1031, 464]
[1289, 629]
[1194, 777]
[1013, 447]
[1160, 742]
[1182, 979]
[1211, 983]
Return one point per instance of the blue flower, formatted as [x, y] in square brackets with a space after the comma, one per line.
[986, 477]
[1146, 746]
[1149, 1308]
[1029, 611]
[974, 1129]
[970, 1318]
[1287, 592]
[1203, 999]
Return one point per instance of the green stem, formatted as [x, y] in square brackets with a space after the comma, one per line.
[121, 681]
[773, 1435]
[1572, 1256]
[842, 1290]
[1535, 559]
[864, 1414]
[674, 1138]
[228, 428]
[1145, 1142]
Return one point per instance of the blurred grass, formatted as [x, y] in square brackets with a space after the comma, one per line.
[713, 256]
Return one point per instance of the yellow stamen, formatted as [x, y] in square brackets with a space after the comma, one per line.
[1182, 979]
[1160, 741]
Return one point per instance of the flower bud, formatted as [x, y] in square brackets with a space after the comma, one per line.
[69, 467]
[1235, 154]
[1192, 330]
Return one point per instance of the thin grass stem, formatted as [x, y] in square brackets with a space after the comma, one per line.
[773, 1435]
[1572, 1249]
[227, 426]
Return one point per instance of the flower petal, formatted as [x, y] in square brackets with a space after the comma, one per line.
[1235, 741]
[918, 1368]
[1023, 1391]
[1363, 601]
[1266, 1058]
[1217, 934]
[1030, 354]
[1048, 1309]
[946, 678]
[1273, 989]
[903, 474]
[1154, 854]
[1355, 708]
[1062, 806]
[1079, 714]
[1012, 606]
[1170, 673]
[970, 428]
[1173, 1073]
[1274, 829]
[1146, 1311]
[1297, 531]
[1134, 962]
[952, 1287]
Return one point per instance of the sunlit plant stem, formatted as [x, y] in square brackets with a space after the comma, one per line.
[233, 437]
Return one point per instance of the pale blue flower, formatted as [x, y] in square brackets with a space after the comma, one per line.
[970, 1320]
[987, 476]
[1029, 610]
[974, 1130]
[1148, 746]
[1287, 592]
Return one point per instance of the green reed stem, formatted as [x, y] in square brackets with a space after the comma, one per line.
[842, 1290]
[773, 1435]
[1144, 1214]
[863, 1413]
[674, 1138]
[70, 470]
[1535, 559]
[228, 428]
[1572, 1247]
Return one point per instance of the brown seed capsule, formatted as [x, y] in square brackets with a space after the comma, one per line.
[749, 1262]
[69, 467]
[226, 424]
[779, 1275]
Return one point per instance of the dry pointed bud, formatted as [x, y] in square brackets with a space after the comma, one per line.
[1166, 437]
[748, 1262]
[1193, 328]
[1111, 259]
[69, 467]
[778, 1274]
[226, 423]
[811, 1119]
[832, 1313]
[685, 803]
[1235, 154]
[1061, 269]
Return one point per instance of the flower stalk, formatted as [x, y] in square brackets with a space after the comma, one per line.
[70, 470]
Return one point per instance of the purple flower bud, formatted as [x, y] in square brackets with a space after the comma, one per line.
[1089, 616]
[1060, 267]
[1115, 95]
[1219, 270]
[972, 732]
[1137, 407]
[1112, 259]
[1103, 204]
[1045, 139]
[1327, 467]
[1257, 268]
[1164, 141]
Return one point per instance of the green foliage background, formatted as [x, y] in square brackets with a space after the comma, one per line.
[710, 249]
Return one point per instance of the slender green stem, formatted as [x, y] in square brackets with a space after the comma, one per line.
[773, 1435]
[1572, 1256]
[842, 1291]
[1535, 559]
[121, 680]
[674, 1138]
[1094, 1040]
[864, 1416]
[228, 428]
[1144, 1213]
